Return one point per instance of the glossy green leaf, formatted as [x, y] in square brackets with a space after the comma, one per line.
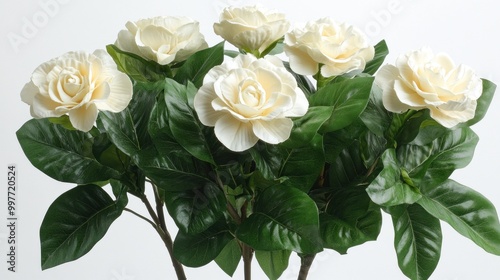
[64, 155]
[195, 210]
[108, 154]
[438, 159]
[136, 67]
[171, 172]
[121, 130]
[306, 127]
[183, 122]
[483, 103]
[75, 222]
[417, 240]
[140, 107]
[303, 165]
[389, 187]
[350, 219]
[128, 129]
[229, 257]
[199, 249]
[346, 165]
[267, 159]
[197, 65]
[467, 211]
[349, 98]
[376, 118]
[283, 218]
[63, 121]
[273, 263]
[381, 51]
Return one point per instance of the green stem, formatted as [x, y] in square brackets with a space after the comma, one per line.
[306, 262]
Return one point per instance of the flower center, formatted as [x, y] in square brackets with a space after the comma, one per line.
[252, 93]
[71, 81]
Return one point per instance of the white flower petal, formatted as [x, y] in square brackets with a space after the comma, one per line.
[273, 131]
[300, 62]
[84, 117]
[29, 92]
[408, 95]
[44, 107]
[301, 105]
[234, 134]
[120, 94]
[203, 105]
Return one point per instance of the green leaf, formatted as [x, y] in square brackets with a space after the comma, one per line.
[390, 188]
[467, 211]
[63, 121]
[197, 65]
[411, 127]
[199, 249]
[273, 263]
[346, 165]
[417, 240]
[195, 210]
[267, 159]
[348, 98]
[128, 129]
[438, 159]
[140, 107]
[75, 222]
[64, 155]
[108, 154]
[306, 127]
[381, 51]
[303, 165]
[229, 257]
[292, 224]
[171, 171]
[183, 122]
[483, 103]
[375, 116]
[121, 130]
[350, 219]
[136, 67]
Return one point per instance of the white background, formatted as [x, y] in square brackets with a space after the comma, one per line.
[32, 34]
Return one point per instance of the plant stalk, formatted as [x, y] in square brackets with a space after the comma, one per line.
[306, 262]
[161, 228]
[247, 253]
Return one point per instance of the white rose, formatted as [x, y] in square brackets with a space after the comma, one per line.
[337, 48]
[423, 80]
[78, 84]
[247, 99]
[162, 39]
[251, 28]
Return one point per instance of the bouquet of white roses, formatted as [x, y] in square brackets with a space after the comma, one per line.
[297, 142]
